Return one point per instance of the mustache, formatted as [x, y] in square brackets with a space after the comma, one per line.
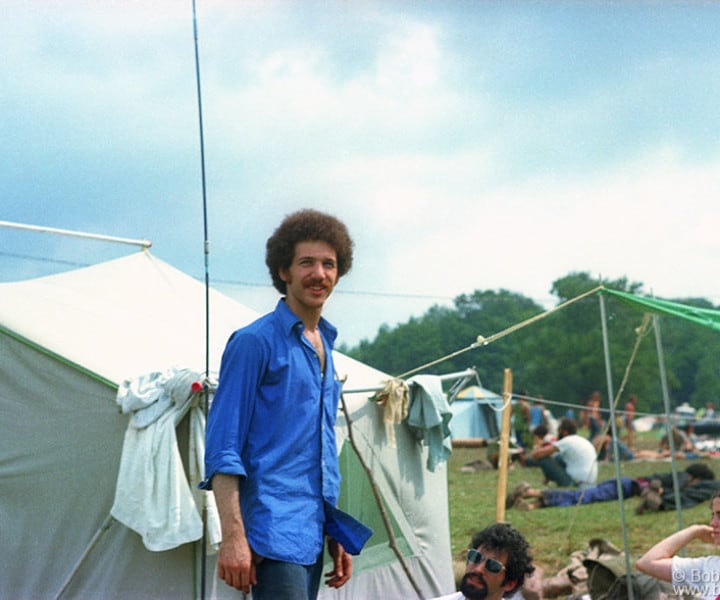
[316, 280]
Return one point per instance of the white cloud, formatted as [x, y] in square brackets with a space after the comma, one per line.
[408, 60]
[462, 155]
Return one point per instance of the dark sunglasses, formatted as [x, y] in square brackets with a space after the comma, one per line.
[492, 565]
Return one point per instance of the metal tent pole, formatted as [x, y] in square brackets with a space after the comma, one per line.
[447, 376]
[668, 424]
[616, 460]
[206, 251]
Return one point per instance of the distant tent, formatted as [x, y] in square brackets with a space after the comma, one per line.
[67, 342]
[477, 413]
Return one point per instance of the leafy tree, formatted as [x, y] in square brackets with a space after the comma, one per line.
[561, 355]
[691, 355]
[443, 331]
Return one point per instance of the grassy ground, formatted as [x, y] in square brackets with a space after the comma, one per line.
[554, 533]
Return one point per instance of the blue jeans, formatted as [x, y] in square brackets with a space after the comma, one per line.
[554, 470]
[278, 580]
[604, 491]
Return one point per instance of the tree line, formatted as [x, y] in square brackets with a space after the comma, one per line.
[561, 356]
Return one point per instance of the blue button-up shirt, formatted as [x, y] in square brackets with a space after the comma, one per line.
[272, 423]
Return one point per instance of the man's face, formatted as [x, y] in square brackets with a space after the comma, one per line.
[311, 277]
[480, 582]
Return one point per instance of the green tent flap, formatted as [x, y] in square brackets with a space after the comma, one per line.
[707, 317]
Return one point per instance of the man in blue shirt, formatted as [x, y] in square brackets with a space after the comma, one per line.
[271, 456]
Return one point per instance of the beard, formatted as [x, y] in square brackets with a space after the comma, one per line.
[472, 592]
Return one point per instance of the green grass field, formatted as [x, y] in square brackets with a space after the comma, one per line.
[554, 533]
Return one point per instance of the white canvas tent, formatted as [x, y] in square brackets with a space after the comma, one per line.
[66, 342]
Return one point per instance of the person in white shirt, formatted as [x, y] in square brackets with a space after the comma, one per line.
[497, 562]
[571, 460]
[700, 575]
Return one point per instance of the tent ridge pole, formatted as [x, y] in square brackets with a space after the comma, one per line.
[81, 234]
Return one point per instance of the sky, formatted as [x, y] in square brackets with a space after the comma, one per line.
[467, 145]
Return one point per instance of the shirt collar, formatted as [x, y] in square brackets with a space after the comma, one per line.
[289, 321]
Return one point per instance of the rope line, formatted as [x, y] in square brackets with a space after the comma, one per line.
[482, 341]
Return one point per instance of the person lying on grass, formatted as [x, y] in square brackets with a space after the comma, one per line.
[697, 484]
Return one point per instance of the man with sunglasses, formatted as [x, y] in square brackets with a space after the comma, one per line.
[497, 563]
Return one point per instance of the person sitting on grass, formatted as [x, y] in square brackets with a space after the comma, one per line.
[541, 437]
[569, 461]
[698, 574]
[606, 448]
[684, 447]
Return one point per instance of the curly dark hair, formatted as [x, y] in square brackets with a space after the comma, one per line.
[540, 430]
[303, 226]
[700, 471]
[502, 537]
[569, 425]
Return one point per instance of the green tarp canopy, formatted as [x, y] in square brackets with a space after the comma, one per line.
[707, 317]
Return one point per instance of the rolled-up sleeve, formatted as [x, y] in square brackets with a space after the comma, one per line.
[232, 407]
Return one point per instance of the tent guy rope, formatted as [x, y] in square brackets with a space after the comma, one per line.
[483, 341]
